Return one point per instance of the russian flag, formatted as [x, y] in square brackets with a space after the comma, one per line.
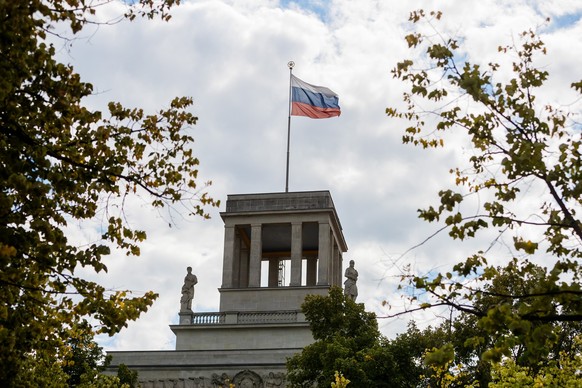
[317, 102]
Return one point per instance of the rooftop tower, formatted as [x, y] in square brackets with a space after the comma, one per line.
[278, 248]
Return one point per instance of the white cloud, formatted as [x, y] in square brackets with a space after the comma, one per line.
[231, 57]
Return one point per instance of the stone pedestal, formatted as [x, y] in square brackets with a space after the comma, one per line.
[186, 317]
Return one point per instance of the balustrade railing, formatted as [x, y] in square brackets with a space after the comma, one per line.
[268, 317]
[208, 318]
[244, 318]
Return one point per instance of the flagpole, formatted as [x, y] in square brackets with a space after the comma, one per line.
[290, 65]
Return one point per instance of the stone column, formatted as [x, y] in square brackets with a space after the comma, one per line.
[333, 267]
[339, 261]
[244, 267]
[228, 259]
[256, 256]
[236, 261]
[324, 256]
[296, 253]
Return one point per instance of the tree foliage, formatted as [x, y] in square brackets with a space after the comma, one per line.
[82, 355]
[459, 348]
[61, 162]
[523, 174]
[566, 371]
[349, 347]
[127, 376]
[84, 362]
[80, 365]
[348, 343]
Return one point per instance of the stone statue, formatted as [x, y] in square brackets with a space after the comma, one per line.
[220, 380]
[274, 380]
[351, 288]
[188, 291]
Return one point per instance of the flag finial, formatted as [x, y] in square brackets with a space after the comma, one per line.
[291, 64]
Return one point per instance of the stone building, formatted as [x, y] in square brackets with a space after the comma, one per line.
[295, 240]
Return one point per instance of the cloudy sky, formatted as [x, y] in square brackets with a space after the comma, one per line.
[231, 58]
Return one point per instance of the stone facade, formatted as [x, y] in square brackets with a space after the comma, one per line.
[259, 323]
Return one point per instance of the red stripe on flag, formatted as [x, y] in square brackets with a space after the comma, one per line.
[301, 109]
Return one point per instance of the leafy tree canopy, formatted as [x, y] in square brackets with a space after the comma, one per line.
[461, 347]
[565, 371]
[83, 355]
[348, 342]
[62, 162]
[524, 177]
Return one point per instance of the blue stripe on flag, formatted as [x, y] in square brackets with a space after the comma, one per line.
[314, 99]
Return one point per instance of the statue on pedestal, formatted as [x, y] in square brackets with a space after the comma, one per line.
[351, 288]
[188, 291]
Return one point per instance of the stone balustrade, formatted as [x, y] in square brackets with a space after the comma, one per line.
[268, 317]
[244, 318]
[208, 318]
